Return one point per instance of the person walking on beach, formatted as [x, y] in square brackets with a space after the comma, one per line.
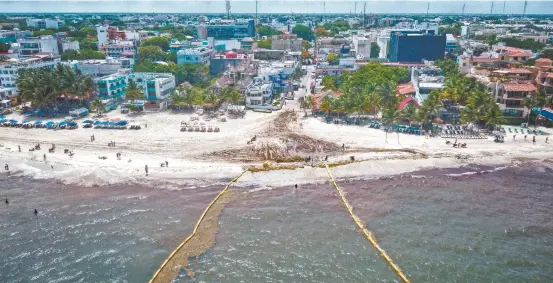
[525, 137]
[514, 137]
[36, 211]
[44, 157]
[534, 139]
[166, 163]
[295, 186]
[19, 148]
[146, 169]
[546, 139]
[7, 167]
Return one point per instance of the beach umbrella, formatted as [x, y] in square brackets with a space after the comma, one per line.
[72, 124]
[97, 123]
[38, 122]
[87, 121]
[13, 121]
[2, 117]
[62, 123]
[49, 123]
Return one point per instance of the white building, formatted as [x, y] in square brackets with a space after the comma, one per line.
[32, 45]
[117, 50]
[201, 55]
[99, 68]
[362, 47]
[259, 92]
[45, 23]
[156, 86]
[69, 45]
[102, 35]
[9, 71]
[425, 80]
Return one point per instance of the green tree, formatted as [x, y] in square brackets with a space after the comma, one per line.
[329, 83]
[88, 44]
[231, 95]
[305, 46]
[159, 41]
[431, 107]
[375, 50]
[98, 106]
[84, 54]
[134, 92]
[265, 44]
[494, 115]
[304, 32]
[44, 32]
[530, 102]
[4, 47]
[410, 113]
[267, 31]
[326, 105]
[152, 53]
[332, 58]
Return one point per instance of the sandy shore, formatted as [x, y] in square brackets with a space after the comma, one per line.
[195, 158]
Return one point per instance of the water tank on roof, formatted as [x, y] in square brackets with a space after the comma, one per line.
[231, 55]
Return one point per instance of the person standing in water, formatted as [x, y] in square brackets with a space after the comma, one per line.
[36, 211]
[7, 201]
[146, 169]
[7, 167]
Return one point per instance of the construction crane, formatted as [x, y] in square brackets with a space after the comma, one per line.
[504, 4]
[491, 9]
[463, 11]
[525, 5]
[364, 14]
[427, 9]
[228, 9]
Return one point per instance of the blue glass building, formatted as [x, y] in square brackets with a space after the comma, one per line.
[416, 46]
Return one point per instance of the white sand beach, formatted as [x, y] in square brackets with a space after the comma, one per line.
[195, 157]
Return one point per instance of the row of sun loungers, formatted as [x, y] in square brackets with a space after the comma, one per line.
[521, 131]
[207, 128]
[460, 134]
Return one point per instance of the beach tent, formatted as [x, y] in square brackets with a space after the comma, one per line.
[547, 113]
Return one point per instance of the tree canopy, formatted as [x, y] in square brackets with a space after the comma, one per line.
[84, 54]
[152, 53]
[304, 32]
[375, 50]
[267, 31]
[159, 41]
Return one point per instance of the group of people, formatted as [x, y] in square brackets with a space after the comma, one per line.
[8, 203]
[533, 138]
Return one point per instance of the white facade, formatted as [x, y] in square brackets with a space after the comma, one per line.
[69, 45]
[259, 92]
[115, 50]
[33, 45]
[6, 93]
[200, 55]
[102, 35]
[425, 80]
[45, 23]
[156, 86]
[9, 71]
[98, 68]
[362, 47]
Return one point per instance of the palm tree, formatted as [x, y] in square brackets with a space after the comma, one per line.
[530, 102]
[387, 98]
[133, 91]
[391, 116]
[494, 115]
[410, 113]
[234, 96]
[310, 102]
[326, 105]
[98, 105]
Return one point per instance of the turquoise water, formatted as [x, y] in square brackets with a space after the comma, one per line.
[486, 225]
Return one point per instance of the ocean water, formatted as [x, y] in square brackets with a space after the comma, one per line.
[470, 224]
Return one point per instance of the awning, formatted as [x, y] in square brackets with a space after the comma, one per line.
[547, 113]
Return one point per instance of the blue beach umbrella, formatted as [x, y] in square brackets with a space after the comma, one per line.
[72, 124]
[87, 121]
[38, 123]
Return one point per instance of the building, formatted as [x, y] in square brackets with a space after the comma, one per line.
[156, 86]
[9, 71]
[230, 31]
[11, 36]
[361, 47]
[511, 102]
[69, 45]
[259, 92]
[106, 34]
[451, 43]
[425, 80]
[117, 50]
[45, 23]
[512, 54]
[10, 94]
[221, 63]
[100, 68]
[286, 41]
[200, 55]
[32, 45]
[247, 43]
[112, 86]
[544, 78]
[415, 46]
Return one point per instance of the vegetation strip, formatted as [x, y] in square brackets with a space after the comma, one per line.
[163, 265]
[368, 234]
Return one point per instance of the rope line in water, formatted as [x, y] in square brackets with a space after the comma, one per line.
[195, 227]
[368, 234]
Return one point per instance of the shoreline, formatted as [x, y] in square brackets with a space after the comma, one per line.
[194, 158]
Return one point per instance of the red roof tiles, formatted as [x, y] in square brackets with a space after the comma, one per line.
[519, 87]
